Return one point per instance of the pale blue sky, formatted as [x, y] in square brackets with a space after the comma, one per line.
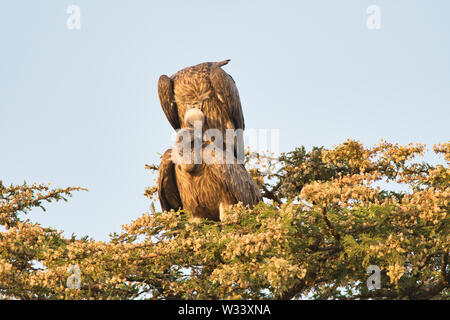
[80, 107]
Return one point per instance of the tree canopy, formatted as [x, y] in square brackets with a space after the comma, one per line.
[328, 215]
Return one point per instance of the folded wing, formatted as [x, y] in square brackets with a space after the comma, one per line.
[169, 195]
[167, 100]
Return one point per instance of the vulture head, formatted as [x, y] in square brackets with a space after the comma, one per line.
[183, 153]
[192, 115]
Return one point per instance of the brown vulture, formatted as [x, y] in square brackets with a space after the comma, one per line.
[204, 188]
[209, 88]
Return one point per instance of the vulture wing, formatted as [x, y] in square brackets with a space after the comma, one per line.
[167, 100]
[238, 182]
[227, 93]
[169, 196]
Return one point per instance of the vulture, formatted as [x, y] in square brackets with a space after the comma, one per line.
[205, 188]
[208, 88]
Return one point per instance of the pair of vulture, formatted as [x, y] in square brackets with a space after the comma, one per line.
[206, 188]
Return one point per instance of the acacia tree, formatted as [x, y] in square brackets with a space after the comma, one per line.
[328, 215]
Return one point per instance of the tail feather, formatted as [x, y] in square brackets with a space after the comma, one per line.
[222, 63]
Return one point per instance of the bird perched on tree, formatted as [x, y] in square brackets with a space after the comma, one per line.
[208, 88]
[205, 189]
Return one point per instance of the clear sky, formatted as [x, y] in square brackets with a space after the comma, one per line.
[80, 107]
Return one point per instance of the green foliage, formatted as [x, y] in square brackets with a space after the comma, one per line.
[324, 221]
